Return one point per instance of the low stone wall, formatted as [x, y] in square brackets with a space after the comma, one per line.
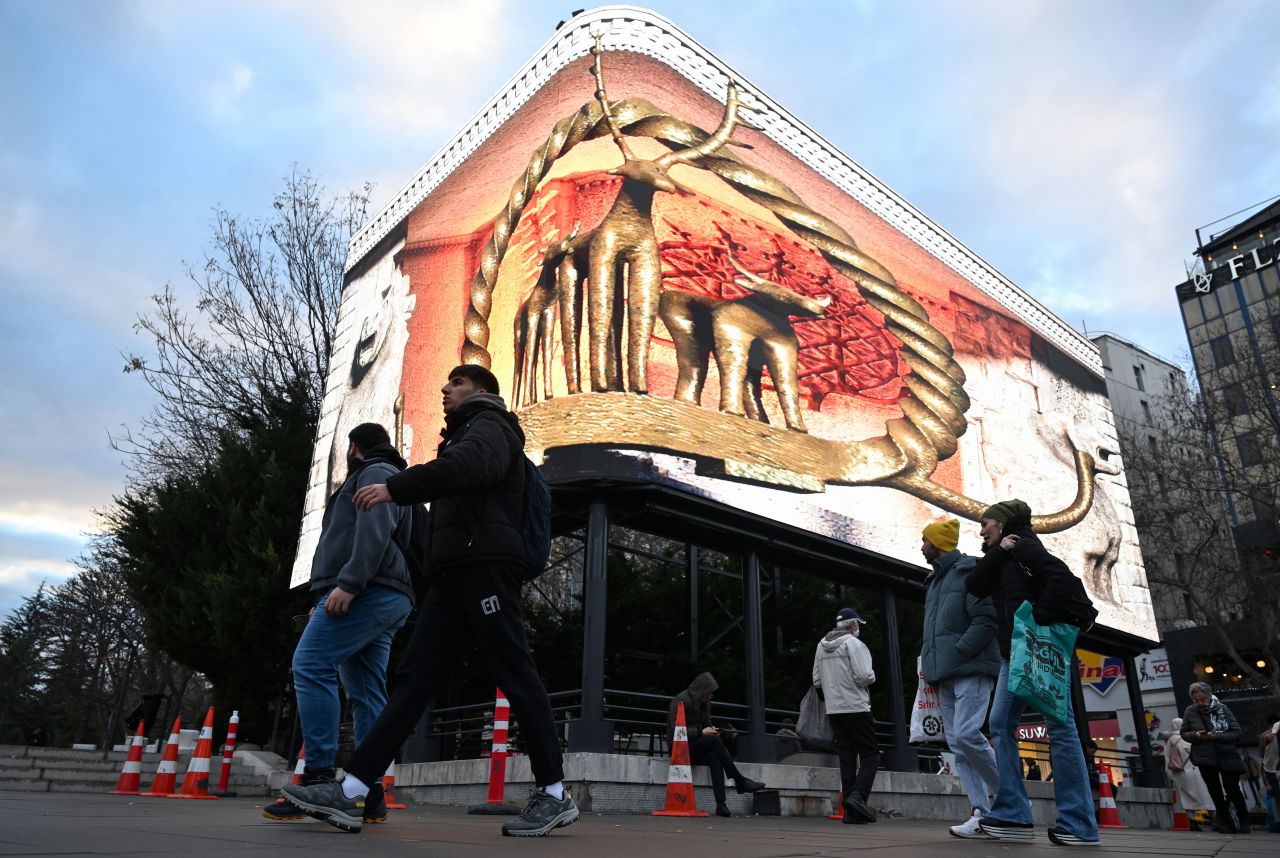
[615, 783]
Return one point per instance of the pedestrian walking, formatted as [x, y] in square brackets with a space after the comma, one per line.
[362, 595]
[1183, 772]
[1212, 730]
[476, 486]
[959, 657]
[706, 747]
[842, 673]
[1017, 568]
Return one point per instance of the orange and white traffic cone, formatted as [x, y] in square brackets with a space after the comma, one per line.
[196, 782]
[300, 766]
[1108, 816]
[680, 798]
[1181, 822]
[389, 784]
[839, 814]
[167, 772]
[494, 805]
[130, 780]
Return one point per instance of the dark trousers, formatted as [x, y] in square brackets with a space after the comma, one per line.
[480, 604]
[855, 735]
[709, 751]
[1225, 787]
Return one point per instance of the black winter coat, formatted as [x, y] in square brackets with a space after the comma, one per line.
[475, 486]
[1221, 750]
[1028, 573]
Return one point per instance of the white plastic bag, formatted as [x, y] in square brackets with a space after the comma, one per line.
[926, 715]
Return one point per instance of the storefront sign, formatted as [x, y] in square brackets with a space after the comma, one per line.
[1153, 671]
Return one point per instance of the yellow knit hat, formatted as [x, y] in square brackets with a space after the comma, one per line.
[943, 535]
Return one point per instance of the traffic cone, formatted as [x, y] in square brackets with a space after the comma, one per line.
[839, 814]
[167, 772]
[680, 798]
[196, 782]
[130, 779]
[494, 805]
[1181, 822]
[228, 753]
[1108, 816]
[300, 766]
[388, 784]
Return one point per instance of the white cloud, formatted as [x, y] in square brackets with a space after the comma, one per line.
[228, 91]
[30, 572]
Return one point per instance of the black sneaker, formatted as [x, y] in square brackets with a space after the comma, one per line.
[746, 784]
[544, 813]
[1059, 836]
[856, 811]
[286, 811]
[1002, 829]
[375, 805]
[326, 801]
[723, 810]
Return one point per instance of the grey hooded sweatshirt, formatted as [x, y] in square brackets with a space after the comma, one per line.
[842, 669]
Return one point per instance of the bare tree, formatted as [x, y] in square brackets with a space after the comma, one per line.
[265, 312]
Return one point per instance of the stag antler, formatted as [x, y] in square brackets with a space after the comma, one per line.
[779, 293]
[603, 98]
[718, 139]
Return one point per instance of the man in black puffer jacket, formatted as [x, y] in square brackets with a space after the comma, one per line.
[1016, 567]
[476, 489]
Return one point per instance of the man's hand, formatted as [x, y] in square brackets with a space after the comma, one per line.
[369, 496]
[710, 731]
[338, 602]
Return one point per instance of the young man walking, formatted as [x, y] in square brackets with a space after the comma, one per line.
[842, 673]
[960, 659]
[476, 488]
[1016, 567]
[362, 595]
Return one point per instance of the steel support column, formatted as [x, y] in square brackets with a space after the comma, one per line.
[1150, 776]
[901, 757]
[691, 566]
[754, 746]
[1078, 705]
[590, 732]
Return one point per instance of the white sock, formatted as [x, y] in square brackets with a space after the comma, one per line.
[555, 790]
[353, 787]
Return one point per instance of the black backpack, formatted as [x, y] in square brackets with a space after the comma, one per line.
[417, 551]
[535, 524]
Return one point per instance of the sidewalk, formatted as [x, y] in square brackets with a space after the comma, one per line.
[67, 824]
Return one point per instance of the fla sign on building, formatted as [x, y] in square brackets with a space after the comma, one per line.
[659, 261]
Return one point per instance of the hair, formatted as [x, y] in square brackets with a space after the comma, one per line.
[1201, 686]
[479, 376]
[366, 436]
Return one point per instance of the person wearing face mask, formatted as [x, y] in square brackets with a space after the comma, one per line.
[362, 595]
[1016, 568]
[842, 673]
[1212, 730]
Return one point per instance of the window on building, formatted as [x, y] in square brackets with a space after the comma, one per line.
[1233, 396]
[1264, 509]
[1153, 443]
[1163, 482]
[1146, 410]
[1187, 603]
[1137, 378]
[1223, 353]
[1250, 449]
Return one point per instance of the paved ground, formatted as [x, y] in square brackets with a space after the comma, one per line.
[52, 824]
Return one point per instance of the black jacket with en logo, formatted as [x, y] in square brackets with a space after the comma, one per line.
[475, 491]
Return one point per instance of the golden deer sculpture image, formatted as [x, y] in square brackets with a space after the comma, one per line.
[746, 335]
[558, 288]
[624, 252]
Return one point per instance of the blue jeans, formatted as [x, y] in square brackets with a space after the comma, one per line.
[1071, 788]
[353, 647]
[964, 702]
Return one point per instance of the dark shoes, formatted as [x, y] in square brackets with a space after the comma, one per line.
[746, 784]
[284, 810]
[543, 814]
[326, 801]
[857, 811]
[1059, 836]
[723, 810]
[375, 805]
[1003, 829]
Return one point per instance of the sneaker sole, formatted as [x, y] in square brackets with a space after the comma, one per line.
[1071, 840]
[568, 817]
[294, 817]
[996, 833]
[376, 820]
[975, 835]
[336, 818]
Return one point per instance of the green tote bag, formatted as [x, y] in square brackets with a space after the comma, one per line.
[1040, 664]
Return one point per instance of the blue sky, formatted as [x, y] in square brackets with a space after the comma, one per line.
[1074, 145]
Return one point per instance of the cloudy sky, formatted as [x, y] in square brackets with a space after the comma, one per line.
[1075, 145]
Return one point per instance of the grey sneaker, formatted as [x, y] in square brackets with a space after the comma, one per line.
[326, 801]
[543, 814]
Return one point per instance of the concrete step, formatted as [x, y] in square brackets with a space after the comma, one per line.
[65, 770]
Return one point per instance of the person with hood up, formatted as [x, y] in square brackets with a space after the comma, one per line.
[361, 596]
[842, 673]
[960, 659]
[1213, 731]
[1183, 772]
[1016, 567]
[476, 489]
[706, 748]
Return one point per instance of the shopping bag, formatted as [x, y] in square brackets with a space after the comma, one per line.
[926, 714]
[812, 726]
[1040, 664]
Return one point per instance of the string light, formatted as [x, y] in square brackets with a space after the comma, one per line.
[1208, 668]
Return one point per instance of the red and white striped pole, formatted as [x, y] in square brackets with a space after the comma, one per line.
[228, 753]
[498, 760]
